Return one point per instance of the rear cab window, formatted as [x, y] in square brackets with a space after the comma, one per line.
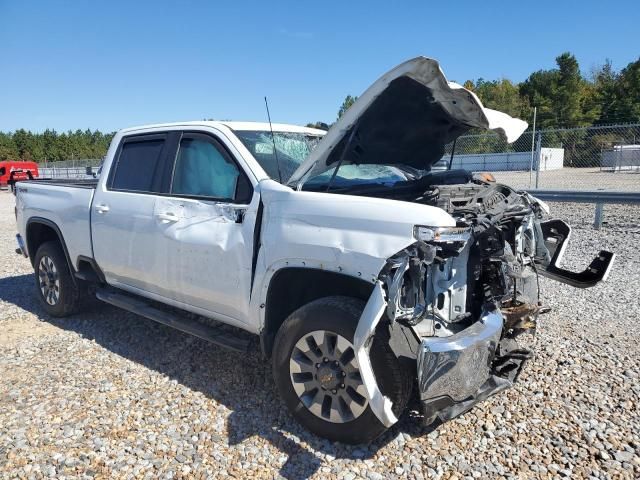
[140, 164]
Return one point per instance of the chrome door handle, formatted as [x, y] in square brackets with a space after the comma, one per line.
[102, 208]
[167, 217]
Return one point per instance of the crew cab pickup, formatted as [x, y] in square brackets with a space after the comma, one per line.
[368, 276]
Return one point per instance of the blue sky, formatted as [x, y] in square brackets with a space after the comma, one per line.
[109, 65]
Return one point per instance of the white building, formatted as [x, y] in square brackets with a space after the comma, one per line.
[550, 159]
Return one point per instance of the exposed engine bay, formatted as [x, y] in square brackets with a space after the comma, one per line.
[441, 283]
[458, 297]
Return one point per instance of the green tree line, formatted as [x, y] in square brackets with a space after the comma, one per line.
[52, 146]
[564, 96]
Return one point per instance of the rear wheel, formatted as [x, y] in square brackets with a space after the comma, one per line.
[318, 375]
[57, 291]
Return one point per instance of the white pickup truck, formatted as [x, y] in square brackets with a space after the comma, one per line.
[368, 277]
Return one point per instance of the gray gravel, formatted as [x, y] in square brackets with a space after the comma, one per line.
[107, 394]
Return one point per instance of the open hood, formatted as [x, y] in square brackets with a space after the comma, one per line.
[405, 118]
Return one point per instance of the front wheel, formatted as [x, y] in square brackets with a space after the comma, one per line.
[57, 291]
[318, 376]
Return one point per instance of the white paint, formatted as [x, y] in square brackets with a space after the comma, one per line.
[68, 208]
[193, 255]
[551, 159]
[197, 254]
[352, 234]
[208, 262]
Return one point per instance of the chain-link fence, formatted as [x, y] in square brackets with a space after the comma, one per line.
[76, 168]
[593, 158]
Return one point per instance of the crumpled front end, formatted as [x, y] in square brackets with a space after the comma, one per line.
[463, 302]
[466, 322]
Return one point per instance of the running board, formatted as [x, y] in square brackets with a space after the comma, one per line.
[206, 332]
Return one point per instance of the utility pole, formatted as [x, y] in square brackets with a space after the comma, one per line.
[538, 155]
[533, 141]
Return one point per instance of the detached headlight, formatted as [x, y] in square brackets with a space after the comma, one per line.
[442, 234]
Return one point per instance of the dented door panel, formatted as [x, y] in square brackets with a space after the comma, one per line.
[209, 248]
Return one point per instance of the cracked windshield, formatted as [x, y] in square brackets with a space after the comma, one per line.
[294, 148]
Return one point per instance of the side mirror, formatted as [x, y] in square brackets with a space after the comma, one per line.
[89, 171]
[3, 170]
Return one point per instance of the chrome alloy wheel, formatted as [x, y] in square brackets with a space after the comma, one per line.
[326, 377]
[49, 280]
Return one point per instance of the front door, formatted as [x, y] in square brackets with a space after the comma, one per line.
[205, 226]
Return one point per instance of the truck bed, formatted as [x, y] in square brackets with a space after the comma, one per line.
[65, 203]
[65, 182]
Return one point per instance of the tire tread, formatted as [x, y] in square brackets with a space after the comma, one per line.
[69, 290]
[394, 381]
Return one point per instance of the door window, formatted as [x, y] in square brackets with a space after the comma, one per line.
[137, 165]
[204, 169]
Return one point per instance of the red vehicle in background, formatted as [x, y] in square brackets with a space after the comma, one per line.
[12, 171]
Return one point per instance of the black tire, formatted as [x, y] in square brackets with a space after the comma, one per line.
[67, 300]
[339, 315]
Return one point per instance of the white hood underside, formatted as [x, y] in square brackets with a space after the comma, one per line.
[429, 113]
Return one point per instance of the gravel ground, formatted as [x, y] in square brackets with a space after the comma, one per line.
[108, 394]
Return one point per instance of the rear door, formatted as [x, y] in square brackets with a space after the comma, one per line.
[124, 227]
[206, 225]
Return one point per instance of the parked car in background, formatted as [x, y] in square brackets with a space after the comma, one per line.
[366, 275]
[12, 171]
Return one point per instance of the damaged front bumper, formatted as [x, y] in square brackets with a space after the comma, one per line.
[455, 373]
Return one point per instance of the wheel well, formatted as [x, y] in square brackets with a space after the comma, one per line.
[39, 233]
[291, 288]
